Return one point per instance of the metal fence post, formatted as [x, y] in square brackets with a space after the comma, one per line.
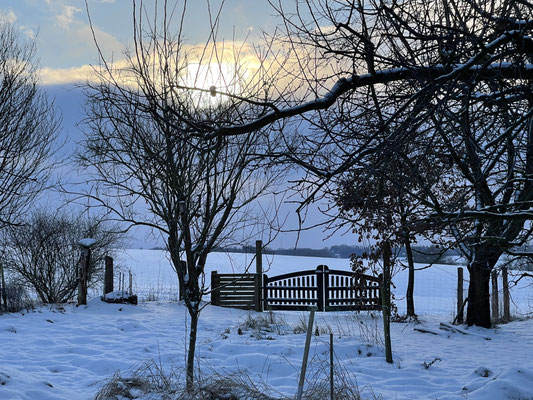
[306, 353]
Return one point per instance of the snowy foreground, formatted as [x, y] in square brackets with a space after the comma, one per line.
[70, 353]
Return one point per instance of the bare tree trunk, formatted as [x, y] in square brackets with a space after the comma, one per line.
[385, 300]
[411, 279]
[192, 349]
[478, 310]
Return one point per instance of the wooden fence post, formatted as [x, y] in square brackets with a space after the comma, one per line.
[460, 307]
[258, 275]
[85, 261]
[108, 276]
[3, 292]
[320, 290]
[494, 298]
[506, 296]
[265, 292]
[215, 288]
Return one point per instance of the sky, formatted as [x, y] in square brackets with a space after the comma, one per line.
[66, 52]
[64, 38]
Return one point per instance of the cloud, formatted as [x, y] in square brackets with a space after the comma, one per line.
[66, 17]
[29, 32]
[7, 16]
[61, 76]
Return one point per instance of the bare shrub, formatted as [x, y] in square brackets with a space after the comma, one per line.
[16, 297]
[44, 253]
[264, 325]
[234, 386]
[369, 330]
[318, 329]
[149, 380]
[318, 383]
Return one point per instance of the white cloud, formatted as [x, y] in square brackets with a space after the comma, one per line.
[59, 76]
[67, 16]
[7, 16]
[29, 32]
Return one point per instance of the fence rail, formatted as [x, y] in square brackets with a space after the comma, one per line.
[235, 290]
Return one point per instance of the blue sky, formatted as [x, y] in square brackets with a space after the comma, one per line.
[66, 51]
[64, 38]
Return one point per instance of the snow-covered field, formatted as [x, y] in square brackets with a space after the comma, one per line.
[69, 354]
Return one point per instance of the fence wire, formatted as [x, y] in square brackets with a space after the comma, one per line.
[435, 289]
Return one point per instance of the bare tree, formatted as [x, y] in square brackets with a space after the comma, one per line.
[44, 253]
[387, 72]
[151, 167]
[28, 127]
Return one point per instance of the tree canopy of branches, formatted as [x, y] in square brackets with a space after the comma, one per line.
[453, 78]
[371, 76]
[28, 127]
[44, 253]
[144, 149]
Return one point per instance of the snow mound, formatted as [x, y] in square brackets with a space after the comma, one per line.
[511, 384]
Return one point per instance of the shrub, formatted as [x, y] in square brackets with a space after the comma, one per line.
[44, 253]
[16, 297]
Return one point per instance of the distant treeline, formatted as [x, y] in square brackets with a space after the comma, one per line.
[432, 255]
[421, 254]
[339, 251]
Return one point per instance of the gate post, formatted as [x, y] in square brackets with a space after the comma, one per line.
[321, 286]
[215, 288]
[326, 287]
[108, 276]
[258, 275]
[265, 292]
[506, 296]
[494, 299]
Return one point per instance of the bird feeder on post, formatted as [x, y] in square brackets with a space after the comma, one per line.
[86, 245]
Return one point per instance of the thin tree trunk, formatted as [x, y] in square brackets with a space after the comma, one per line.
[386, 301]
[3, 288]
[411, 279]
[192, 348]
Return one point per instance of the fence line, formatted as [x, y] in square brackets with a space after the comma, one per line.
[435, 288]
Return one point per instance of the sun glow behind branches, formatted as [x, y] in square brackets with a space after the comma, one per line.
[223, 77]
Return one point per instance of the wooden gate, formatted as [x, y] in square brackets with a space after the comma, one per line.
[328, 290]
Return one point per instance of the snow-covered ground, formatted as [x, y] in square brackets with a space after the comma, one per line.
[69, 354]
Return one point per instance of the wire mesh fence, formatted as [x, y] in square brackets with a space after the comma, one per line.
[435, 289]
